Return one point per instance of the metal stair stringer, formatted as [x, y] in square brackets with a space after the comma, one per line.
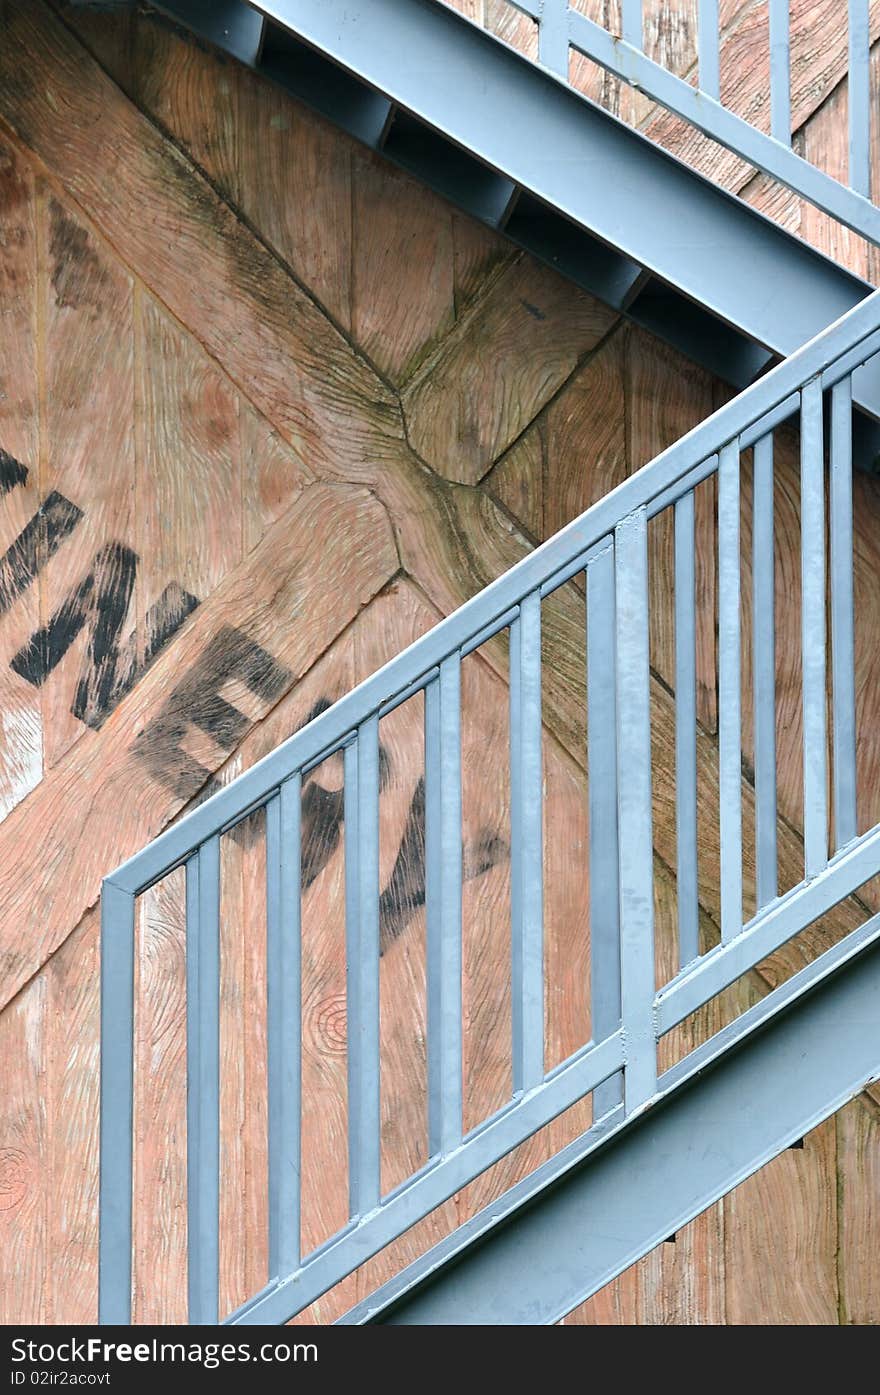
[520, 150]
[589, 1213]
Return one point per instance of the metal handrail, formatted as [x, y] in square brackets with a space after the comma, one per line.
[608, 544]
[562, 29]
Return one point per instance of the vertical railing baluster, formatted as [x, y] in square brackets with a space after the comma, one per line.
[526, 852]
[780, 71]
[117, 1104]
[686, 730]
[203, 1081]
[859, 98]
[284, 1026]
[443, 882]
[361, 807]
[729, 714]
[842, 616]
[709, 45]
[553, 36]
[813, 636]
[604, 853]
[764, 662]
[631, 22]
[634, 809]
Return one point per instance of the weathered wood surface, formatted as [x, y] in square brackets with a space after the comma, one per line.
[285, 394]
[498, 367]
[141, 760]
[21, 749]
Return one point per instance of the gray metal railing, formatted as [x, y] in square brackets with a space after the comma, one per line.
[607, 547]
[621, 52]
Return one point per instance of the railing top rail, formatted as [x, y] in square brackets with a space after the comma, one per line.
[838, 350]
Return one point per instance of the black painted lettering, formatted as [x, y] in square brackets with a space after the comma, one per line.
[100, 603]
[196, 701]
[39, 540]
[98, 692]
[405, 892]
[12, 472]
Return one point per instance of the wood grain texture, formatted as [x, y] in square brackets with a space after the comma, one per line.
[787, 1210]
[498, 368]
[129, 763]
[189, 516]
[26, 1151]
[191, 89]
[89, 458]
[71, 1185]
[159, 1188]
[242, 306]
[858, 1162]
[294, 181]
[517, 481]
[21, 746]
[337, 216]
[403, 237]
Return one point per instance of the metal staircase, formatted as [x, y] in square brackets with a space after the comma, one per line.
[607, 546]
[664, 1143]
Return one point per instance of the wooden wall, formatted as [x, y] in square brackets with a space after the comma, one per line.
[268, 409]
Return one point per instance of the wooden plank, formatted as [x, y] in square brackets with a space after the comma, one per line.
[517, 481]
[109, 35]
[299, 181]
[792, 1204]
[273, 474]
[585, 436]
[70, 1256]
[189, 516]
[21, 746]
[25, 1157]
[90, 587]
[141, 761]
[403, 273]
[191, 90]
[858, 1173]
[160, 1229]
[682, 1282]
[479, 254]
[498, 367]
[295, 184]
[242, 305]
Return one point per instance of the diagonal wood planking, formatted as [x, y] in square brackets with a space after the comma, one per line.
[279, 594]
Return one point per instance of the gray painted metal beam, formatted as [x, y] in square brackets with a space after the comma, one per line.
[228, 24]
[592, 1211]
